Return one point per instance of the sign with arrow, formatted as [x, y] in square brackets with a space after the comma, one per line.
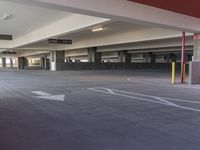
[43, 95]
[60, 41]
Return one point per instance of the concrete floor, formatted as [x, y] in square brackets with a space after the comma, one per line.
[102, 110]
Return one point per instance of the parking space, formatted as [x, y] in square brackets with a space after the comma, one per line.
[109, 110]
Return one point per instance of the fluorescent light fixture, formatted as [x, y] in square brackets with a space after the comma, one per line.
[97, 29]
[6, 17]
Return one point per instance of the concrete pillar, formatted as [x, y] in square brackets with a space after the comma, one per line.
[4, 62]
[194, 66]
[93, 55]
[11, 63]
[57, 60]
[173, 57]
[152, 58]
[124, 57]
[197, 47]
[45, 62]
[42, 61]
[167, 58]
[22, 62]
[147, 58]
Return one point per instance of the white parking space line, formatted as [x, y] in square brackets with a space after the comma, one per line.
[43, 95]
[148, 98]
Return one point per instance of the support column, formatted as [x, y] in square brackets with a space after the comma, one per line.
[194, 67]
[183, 58]
[22, 62]
[152, 58]
[124, 57]
[11, 63]
[4, 62]
[173, 58]
[42, 62]
[167, 58]
[147, 58]
[93, 55]
[57, 59]
[45, 62]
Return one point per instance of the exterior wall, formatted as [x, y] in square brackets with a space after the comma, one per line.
[104, 66]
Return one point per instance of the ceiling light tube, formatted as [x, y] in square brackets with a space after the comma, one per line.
[96, 30]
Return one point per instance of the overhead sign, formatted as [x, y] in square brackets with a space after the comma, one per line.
[5, 37]
[6, 52]
[60, 41]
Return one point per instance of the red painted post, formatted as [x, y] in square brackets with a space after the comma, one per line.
[183, 58]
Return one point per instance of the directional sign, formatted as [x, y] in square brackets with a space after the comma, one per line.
[43, 95]
[9, 53]
[60, 41]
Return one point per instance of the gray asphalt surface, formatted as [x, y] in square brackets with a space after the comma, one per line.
[102, 110]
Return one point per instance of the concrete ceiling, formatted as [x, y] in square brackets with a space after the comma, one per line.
[33, 22]
[187, 7]
[110, 28]
[114, 32]
[26, 18]
[129, 11]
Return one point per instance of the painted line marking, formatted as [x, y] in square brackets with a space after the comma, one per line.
[148, 98]
[43, 95]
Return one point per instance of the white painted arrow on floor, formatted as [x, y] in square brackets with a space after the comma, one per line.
[43, 95]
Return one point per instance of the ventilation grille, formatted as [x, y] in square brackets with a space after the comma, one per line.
[5, 37]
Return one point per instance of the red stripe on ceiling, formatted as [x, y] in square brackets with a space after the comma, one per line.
[186, 7]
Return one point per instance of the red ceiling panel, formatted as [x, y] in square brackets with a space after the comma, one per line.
[187, 7]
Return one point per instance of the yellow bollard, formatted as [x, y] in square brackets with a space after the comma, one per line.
[173, 72]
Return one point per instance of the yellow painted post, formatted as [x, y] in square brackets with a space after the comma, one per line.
[173, 72]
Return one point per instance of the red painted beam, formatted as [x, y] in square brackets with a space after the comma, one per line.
[186, 7]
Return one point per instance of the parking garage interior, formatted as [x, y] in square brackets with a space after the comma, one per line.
[78, 75]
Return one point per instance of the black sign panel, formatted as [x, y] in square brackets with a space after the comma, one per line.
[5, 37]
[6, 52]
[60, 41]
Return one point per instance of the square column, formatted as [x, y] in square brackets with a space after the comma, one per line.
[93, 55]
[147, 58]
[22, 62]
[45, 62]
[11, 63]
[124, 57]
[4, 62]
[42, 59]
[152, 58]
[194, 67]
[57, 60]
